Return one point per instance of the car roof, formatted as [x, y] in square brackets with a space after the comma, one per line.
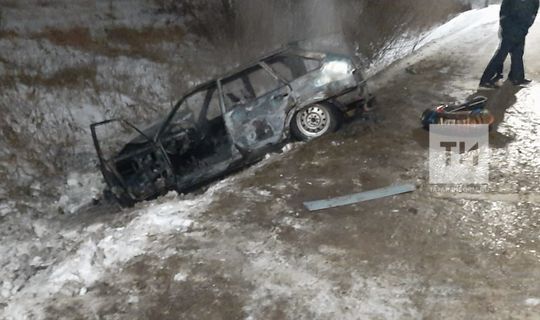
[292, 50]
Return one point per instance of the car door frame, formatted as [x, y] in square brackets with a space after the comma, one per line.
[186, 180]
[247, 151]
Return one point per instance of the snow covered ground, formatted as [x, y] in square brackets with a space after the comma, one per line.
[245, 248]
[80, 256]
[65, 65]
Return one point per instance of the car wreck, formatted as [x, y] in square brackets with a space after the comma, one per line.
[232, 121]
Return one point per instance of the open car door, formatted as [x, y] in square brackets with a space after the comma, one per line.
[140, 170]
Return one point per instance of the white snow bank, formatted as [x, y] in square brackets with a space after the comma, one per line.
[120, 245]
[471, 30]
[103, 250]
[463, 23]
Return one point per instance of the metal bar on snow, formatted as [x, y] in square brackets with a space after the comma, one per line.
[359, 197]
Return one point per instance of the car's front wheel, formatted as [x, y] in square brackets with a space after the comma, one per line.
[315, 121]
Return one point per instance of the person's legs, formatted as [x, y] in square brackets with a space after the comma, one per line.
[517, 71]
[496, 63]
[500, 67]
[499, 74]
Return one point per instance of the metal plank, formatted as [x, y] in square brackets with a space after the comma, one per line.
[359, 197]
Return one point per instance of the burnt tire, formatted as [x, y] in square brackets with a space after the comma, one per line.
[315, 121]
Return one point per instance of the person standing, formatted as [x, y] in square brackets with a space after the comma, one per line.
[516, 17]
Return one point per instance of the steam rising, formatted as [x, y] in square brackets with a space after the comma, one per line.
[368, 28]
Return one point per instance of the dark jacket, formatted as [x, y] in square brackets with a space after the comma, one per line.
[517, 16]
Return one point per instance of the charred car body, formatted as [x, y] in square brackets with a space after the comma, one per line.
[227, 123]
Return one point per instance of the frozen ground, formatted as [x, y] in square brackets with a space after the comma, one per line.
[246, 249]
[65, 64]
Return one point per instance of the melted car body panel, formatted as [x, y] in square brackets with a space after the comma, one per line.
[225, 124]
[325, 82]
[261, 122]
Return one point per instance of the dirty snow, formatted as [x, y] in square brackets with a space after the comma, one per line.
[102, 250]
[462, 31]
[99, 250]
[80, 189]
[88, 254]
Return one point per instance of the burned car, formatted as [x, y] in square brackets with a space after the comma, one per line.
[227, 123]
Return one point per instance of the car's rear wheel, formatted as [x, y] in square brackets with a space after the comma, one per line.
[315, 121]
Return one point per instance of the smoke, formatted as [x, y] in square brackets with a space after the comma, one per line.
[244, 29]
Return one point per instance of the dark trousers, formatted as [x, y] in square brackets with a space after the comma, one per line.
[515, 48]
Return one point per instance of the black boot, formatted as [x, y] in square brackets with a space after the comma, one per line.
[523, 82]
[488, 85]
[498, 77]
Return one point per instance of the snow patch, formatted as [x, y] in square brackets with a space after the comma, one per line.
[462, 30]
[462, 24]
[533, 302]
[80, 189]
[180, 277]
[308, 295]
[105, 250]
